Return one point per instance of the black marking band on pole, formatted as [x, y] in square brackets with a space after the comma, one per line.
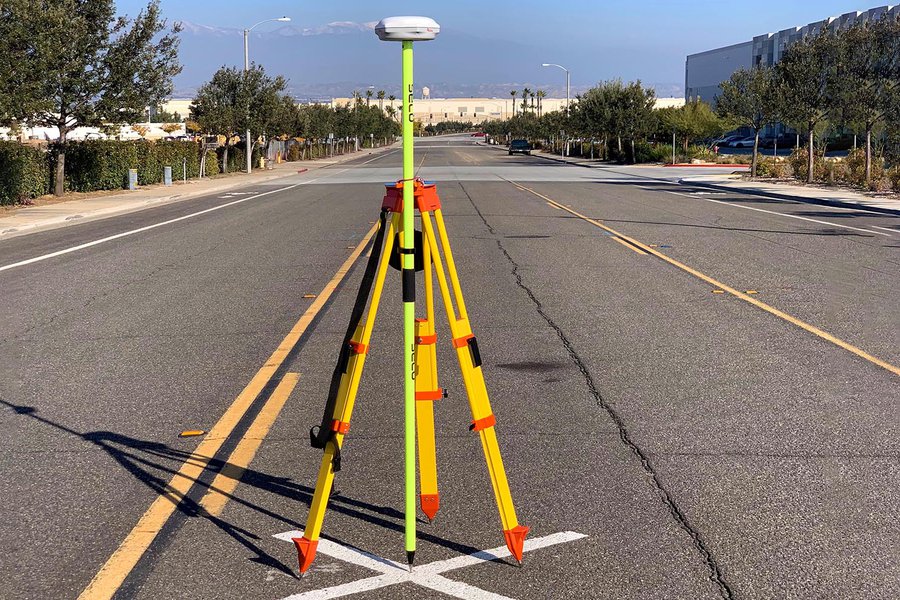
[407, 250]
[409, 285]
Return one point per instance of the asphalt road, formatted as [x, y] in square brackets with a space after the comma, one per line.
[700, 387]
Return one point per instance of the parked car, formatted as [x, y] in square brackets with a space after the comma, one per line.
[744, 142]
[785, 140]
[519, 146]
[725, 141]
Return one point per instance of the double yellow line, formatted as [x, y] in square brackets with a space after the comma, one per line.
[624, 239]
[113, 573]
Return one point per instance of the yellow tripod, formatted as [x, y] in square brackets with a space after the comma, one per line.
[435, 250]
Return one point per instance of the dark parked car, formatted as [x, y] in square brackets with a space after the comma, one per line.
[520, 146]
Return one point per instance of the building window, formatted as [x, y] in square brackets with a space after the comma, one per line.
[479, 109]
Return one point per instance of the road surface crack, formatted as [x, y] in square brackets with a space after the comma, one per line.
[715, 573]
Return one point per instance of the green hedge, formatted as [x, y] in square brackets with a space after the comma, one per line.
[103, 165]
[24, 173]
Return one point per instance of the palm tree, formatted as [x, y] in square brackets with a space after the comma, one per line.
[525, 93]
[368, 97]
[513, 94]
[541, 94]
[380, 97]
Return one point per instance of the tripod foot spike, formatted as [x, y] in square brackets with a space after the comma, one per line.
[306, 552]
[410, 557]
[515, 540]
[430, 504]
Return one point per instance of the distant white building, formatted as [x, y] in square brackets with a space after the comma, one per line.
[704, 71]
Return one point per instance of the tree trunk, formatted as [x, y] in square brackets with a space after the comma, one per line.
[59, 189]
[812, 154]
[225, 159]
[755, 159]
[633, 157]
[619, 138]
[868, 154]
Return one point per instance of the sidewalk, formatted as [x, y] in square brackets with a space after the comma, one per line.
[29, 219]
[842, 198]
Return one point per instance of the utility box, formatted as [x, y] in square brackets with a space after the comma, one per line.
[132, 179]
[167, 175]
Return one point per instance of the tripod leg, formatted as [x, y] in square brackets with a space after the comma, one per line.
[427, 392]
[467, 353]
[349, 385]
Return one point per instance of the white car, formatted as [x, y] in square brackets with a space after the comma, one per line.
[746, 142]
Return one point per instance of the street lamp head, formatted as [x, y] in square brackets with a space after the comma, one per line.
[546, 65]
[284, 19]
[407, 29]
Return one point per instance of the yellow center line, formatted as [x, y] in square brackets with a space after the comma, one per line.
[629, 246]
[737, 294]
[113, 573]
[223, 486]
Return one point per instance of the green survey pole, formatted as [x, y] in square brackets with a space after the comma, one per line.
[409, 305]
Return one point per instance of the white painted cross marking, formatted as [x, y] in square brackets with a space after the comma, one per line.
[428, 576]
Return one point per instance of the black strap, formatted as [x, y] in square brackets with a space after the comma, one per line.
[319, 435]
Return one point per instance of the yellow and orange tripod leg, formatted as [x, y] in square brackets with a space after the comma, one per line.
[349, 385]
[483, 420]
[427, 392]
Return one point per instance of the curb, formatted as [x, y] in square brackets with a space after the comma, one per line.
[709, 165]
[802, 199]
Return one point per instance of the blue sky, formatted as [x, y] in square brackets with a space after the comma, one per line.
[597, 39]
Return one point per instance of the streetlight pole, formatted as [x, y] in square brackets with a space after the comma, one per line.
[247, 148]
[567, 82]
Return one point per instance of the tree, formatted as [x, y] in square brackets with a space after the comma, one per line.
[80, 65]
[637, 112]
[380, 97]
[749, 99]
[525, 94]
[695, 120]
[368, 97]
[234, 101]
[541, 94]
[805, 80]
[217, 104]
[867, 78]
[513, 94]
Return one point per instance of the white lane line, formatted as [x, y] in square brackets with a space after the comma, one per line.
[885, 229]
[772, 212]
[428, 576]
[110, 238]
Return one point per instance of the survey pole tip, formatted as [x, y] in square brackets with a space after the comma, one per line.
[410, 558]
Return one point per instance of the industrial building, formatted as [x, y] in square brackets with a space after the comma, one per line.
[704, 71]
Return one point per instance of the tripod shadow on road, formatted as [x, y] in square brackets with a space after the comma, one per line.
[152, 464]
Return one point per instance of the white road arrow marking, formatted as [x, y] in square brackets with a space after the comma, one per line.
[428, 576]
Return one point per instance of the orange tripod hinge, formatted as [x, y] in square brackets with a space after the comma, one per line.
[426, 340]
[462, 342]
[341, 427]
[484, 423]
[429, 395]
[424, 195]
[515, 540]
[306, 552]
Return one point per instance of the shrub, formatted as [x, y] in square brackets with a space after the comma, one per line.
[856, 166]
[799, 162]
[894, 176]
[24, 173]
[645, 153]
[103, 164]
